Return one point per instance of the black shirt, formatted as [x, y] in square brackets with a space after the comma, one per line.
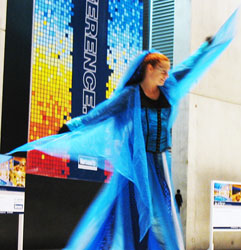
[147, 102]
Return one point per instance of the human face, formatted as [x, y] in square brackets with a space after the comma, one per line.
[160, 73]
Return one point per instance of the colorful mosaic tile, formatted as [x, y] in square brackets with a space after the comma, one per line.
[51, 78]
[125, 35]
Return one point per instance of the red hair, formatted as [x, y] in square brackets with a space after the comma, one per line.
[154, 59]
[151, 58]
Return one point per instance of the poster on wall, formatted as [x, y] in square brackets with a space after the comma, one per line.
[80, 49]
[226, 205]
[12, 184]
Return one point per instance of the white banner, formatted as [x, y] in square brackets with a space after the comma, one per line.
[226, 205]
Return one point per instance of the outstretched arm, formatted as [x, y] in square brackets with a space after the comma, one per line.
[102, 111]
[175, 86]
[183, 76]
[182, 69]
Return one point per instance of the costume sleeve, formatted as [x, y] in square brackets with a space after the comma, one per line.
[183, 76]
[181, 70]
[104, 110]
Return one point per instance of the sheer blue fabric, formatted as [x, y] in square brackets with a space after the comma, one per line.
[113, 132]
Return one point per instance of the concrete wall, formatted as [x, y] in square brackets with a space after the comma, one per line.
[182, 35]
[3, 10]
[214, 139]
[214, 152]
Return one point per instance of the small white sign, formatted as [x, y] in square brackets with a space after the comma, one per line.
[88, 163]
[12, 184]
[12, 201]
[226, 206]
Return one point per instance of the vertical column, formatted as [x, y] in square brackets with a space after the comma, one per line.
[3, 10]
[20, 231]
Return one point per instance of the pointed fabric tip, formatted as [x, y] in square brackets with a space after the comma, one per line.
[228, 30]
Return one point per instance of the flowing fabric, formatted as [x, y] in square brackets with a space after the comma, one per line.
[113, 132]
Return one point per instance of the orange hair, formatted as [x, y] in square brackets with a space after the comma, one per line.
[151, 58]
[154, 59]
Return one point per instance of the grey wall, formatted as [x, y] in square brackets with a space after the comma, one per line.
[180, 128]
[214, 137]
[207, 134]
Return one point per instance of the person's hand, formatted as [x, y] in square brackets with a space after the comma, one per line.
[63, 129]
[209, 39]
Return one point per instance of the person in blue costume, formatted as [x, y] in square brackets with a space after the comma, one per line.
[132, 132]
[155, 110]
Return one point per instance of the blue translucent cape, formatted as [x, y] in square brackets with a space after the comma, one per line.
[113, 132]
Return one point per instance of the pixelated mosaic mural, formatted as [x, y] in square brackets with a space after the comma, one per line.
[52, 68]
[125, 32]
[51, 79]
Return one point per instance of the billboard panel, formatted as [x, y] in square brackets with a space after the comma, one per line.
[12, 184]
[226, 205]
[80, 49]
